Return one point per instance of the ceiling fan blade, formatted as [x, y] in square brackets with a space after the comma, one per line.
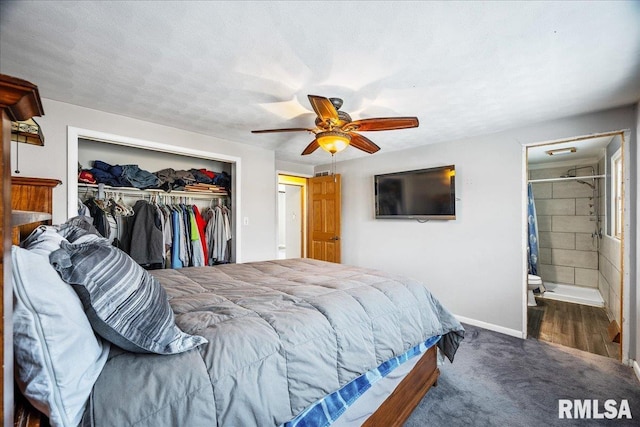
[382, 123]
[282, 130]
[311, 147]
[363, 143]
[323, 107]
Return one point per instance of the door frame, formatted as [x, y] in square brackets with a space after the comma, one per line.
[624, 244]
[299, 180]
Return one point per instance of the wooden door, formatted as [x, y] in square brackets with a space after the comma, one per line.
[324, 218]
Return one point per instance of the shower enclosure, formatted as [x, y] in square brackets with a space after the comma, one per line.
[570, 209]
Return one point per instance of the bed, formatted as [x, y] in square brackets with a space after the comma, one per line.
[282, 342]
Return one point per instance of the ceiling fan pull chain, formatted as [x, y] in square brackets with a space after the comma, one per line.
[333, 166]
[17, 157]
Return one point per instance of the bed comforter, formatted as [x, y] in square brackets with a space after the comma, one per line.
[282, 334]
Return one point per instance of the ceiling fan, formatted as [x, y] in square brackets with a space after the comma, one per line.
[335, 130]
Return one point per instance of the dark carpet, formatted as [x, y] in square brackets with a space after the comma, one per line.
[498, 380]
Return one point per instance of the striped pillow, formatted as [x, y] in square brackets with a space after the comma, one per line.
[124, 303]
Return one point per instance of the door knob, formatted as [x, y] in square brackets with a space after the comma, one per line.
[334, 238]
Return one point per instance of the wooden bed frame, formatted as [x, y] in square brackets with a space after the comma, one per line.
[393, 412]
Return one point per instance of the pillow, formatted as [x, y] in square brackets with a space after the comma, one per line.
[43, 240]
[57, 355]
[124, 303]
[77, 227]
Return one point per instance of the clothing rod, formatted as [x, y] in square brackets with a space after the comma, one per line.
[569, 178]
[138, 192]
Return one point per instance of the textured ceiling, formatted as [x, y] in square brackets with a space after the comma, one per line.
[225, 68]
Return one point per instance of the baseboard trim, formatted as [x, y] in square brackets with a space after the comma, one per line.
[636, 369]
[492, 327]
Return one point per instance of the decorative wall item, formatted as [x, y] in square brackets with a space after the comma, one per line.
[27, 131]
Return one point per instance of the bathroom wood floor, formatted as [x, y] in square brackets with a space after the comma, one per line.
[572, 325]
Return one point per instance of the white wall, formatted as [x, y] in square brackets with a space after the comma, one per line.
[467, 264]
[295, 169]
[475, 264]
[258, 180]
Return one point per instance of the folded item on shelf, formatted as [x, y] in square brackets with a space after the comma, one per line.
[104, 173]
[201, 176]
[223, 179]
[86, 177]
[206, 188]
[140, 178]
[174, 179]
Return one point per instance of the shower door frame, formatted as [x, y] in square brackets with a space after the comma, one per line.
[626, 229]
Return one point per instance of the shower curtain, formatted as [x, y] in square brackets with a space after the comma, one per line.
[532, 249]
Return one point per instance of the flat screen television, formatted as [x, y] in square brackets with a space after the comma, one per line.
[417, 194]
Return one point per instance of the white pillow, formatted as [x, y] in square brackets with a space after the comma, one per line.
[43, 240]
[58, 356]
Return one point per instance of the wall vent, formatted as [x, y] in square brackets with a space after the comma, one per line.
[323, 173]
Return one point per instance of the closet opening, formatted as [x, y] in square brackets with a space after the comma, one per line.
[575, 252]
[292, 216]
[197, 199]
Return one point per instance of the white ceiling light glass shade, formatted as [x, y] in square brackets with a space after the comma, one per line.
[333, 141]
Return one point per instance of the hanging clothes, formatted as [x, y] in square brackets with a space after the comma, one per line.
[202, 224]
[225, 236]
[147, 248]
[98, 211]
[185, 256]
[218, 234]
[167, 233]
[163, 235]
[83, 210]
[176, 262]
[198, 257]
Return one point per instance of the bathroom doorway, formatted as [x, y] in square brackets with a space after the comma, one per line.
[292, 216]
[577, 242]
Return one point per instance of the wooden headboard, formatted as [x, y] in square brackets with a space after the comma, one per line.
[33, 197]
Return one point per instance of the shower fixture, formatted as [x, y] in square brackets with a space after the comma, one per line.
[572, 173]
[587, 183]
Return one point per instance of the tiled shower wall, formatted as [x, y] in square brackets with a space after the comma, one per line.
[566, 214]
[609, 276]
[609, 281]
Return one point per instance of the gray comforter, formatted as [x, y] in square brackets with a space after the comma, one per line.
[282, 334]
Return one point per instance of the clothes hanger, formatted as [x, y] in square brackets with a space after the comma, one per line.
[127, 210]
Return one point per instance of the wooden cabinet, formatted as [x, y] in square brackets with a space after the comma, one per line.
[31, 204]
[19, 100]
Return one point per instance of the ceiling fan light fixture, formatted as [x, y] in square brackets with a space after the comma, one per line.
[335, 129]
[333, 141]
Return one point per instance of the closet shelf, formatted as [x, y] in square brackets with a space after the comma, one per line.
[152, 191]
